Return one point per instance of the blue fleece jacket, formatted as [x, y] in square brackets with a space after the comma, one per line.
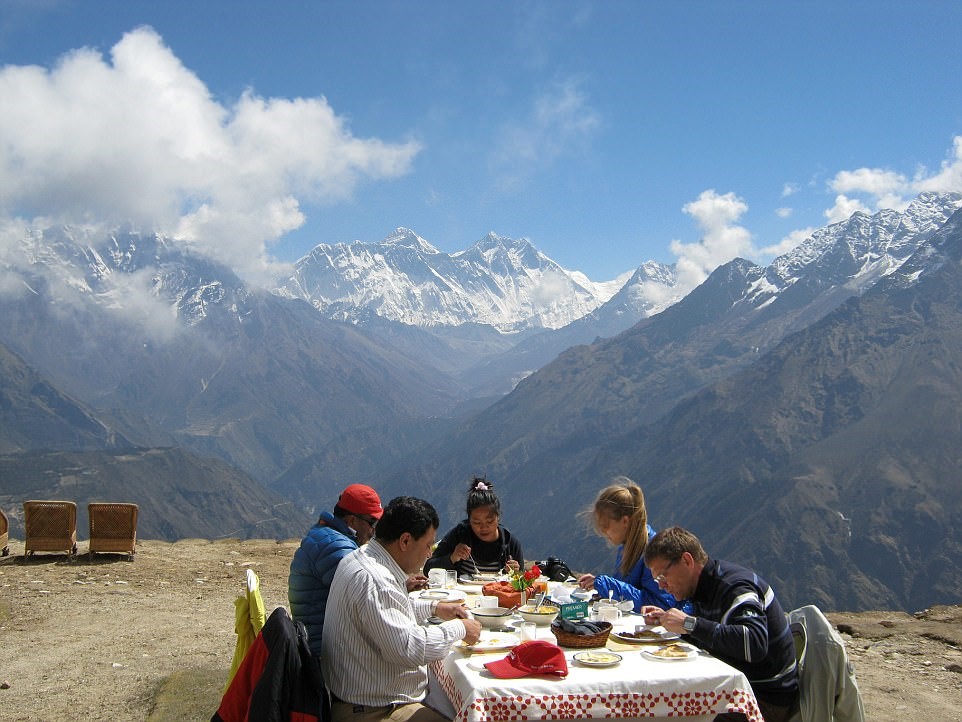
[637, 585]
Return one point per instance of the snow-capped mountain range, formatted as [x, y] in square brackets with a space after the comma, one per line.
[501, 282]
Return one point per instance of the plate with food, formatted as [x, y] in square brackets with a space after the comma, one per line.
[671, 653]
[597, 658]
[479, 579]
[645, 635]
[491, 643]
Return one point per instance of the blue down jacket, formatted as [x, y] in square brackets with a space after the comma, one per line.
[312, 570]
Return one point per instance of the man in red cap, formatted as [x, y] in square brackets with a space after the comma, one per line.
[336, 534]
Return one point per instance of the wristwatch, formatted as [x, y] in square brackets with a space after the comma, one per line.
[689, 623]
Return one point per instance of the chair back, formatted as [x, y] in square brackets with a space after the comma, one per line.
[113, 527]
[50, 526]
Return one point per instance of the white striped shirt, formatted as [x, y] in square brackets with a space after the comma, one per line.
[375, 649]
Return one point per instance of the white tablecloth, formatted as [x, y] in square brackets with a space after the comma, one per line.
[638, 688]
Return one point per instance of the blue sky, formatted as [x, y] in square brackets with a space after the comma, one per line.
[607, 133]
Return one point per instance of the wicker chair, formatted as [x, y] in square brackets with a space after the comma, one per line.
[4, 534]
[113, 528]
[50, 526]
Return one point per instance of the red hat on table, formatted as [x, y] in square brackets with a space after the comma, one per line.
[533, 657]
[361, 500]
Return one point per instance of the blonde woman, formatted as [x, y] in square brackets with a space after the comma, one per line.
[619, 515]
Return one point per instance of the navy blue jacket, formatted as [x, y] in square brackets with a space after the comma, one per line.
[312, 570]
[741, 622]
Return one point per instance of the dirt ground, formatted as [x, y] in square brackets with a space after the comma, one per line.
[152, 639]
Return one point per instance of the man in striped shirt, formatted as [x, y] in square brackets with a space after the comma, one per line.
[376, 645]
[735, 617]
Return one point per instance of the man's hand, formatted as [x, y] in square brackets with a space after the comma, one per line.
[472, 631]
[672, 619]
[416, 581]
[451, 610]
[513, 565]
[586, 581]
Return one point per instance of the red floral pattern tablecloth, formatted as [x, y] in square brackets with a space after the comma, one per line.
[637, 688]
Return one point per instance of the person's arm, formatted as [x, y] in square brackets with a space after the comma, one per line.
[441, 559]
[513, 548]
[743, 636]
[620, 590]
[383, 612]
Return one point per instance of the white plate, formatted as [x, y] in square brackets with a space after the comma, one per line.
[498, 642]
[481, 579]
[597, 659]
[661, 635]
[441, 595]
[690, 653]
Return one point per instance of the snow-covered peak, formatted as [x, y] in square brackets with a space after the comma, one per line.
[858, 251]
[498, 281]
[409, 239]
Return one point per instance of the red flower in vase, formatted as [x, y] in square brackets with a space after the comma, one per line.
[525, 580]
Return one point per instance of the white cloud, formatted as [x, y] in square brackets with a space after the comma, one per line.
[790, 189]
[560, 122]
[887, 188]
[140, 138]
[722, 240]
[787, 243]
[844, 207]
[783, 212]
[868, 189]
[949, 177]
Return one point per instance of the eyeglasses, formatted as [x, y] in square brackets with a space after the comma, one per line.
[660, 579]
[369, 520]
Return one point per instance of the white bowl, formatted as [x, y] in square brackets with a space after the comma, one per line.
[491, 617]
[545, 614]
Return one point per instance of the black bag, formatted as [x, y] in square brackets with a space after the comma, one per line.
[555, 569]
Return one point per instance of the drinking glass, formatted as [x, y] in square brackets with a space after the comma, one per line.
[436, 578]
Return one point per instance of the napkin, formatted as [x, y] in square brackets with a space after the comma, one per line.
[580, 627]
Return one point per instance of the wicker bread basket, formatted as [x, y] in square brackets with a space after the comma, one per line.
[583, 641]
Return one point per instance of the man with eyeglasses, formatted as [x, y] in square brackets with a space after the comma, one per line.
[735, 616]
[334, 536]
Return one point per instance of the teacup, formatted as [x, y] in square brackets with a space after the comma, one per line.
[608, 613]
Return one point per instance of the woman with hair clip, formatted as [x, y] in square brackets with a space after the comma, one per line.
[478, 544]
[619, 515]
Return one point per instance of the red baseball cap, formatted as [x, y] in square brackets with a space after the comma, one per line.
[533, 657]
[359, 500]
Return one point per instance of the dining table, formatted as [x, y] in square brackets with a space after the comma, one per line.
[639, 685]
